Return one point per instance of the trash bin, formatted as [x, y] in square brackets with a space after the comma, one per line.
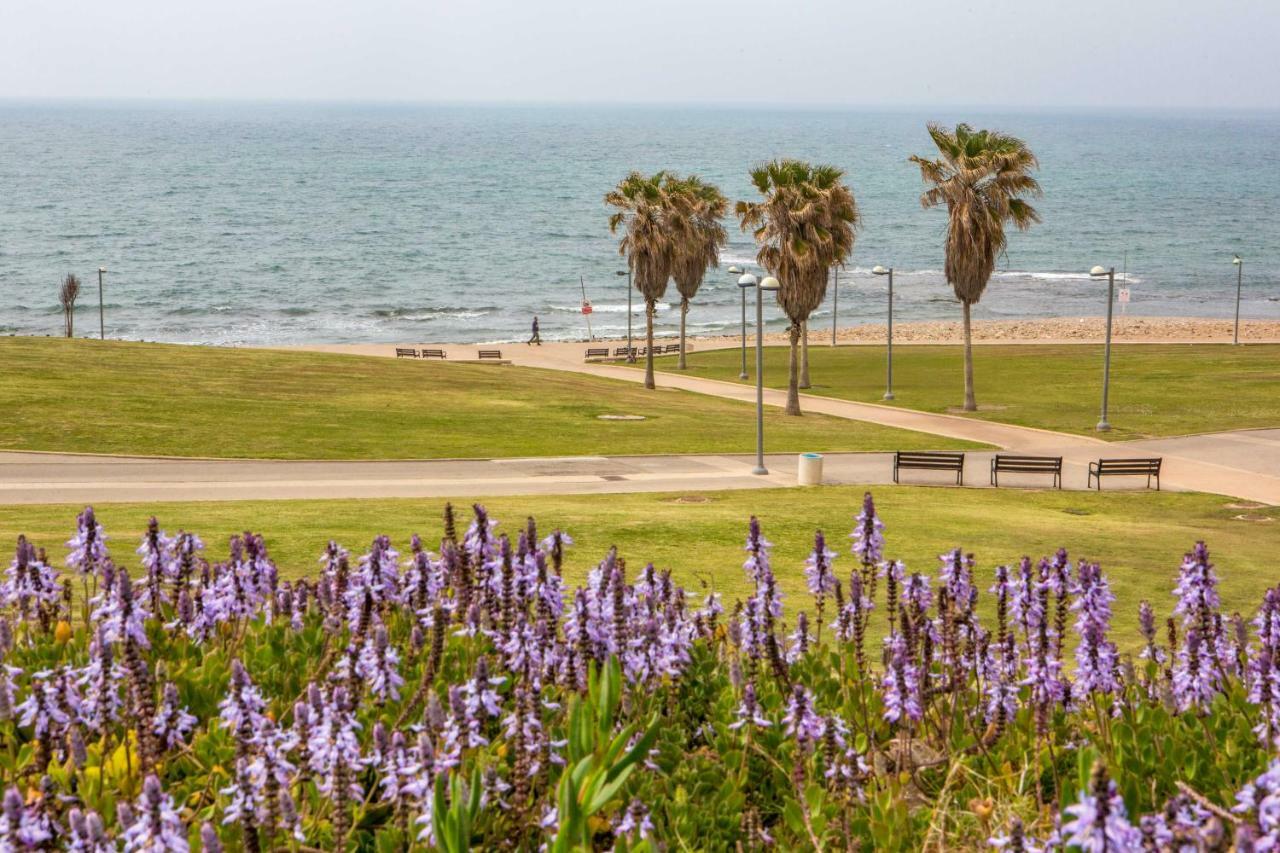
[809, 472]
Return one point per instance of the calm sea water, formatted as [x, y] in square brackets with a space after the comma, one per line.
[258, 224]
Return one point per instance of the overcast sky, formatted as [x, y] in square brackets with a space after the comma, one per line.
[1040, 53]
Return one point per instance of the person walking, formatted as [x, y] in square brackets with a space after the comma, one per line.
[535, 338]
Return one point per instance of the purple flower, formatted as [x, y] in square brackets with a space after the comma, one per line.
[1096, 656]
[42, 710]
[817, 568]
[88, 547]
[172, 723]
[868, 534]
[30, 584]
[1194, 679]
[901, 684]
[757, 548]
[634, 822]
[481, 697]
[156, 826]
[379, 664]
[22, 827]
[120, 614]
[243, 706]
[1100, 823]
[748, 712]
[86, 833]
[801, 722]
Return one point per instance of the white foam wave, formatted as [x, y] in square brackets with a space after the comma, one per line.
[637, 308]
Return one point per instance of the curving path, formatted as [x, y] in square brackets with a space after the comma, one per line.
[1243, 464]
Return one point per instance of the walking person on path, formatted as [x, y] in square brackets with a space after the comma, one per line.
[535, 338]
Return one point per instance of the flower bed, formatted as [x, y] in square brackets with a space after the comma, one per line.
[467, 699]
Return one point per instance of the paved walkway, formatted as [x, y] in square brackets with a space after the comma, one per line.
[1243, 464]
[1247, 466]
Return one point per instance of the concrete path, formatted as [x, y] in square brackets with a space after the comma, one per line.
[35, 478]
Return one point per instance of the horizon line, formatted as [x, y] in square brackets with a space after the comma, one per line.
[725, 105]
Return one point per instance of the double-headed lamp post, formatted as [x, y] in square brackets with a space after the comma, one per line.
[888, 385]
[631, 353]
[769, 284]
[1235, 335]
[738, 271]
[1110, 273]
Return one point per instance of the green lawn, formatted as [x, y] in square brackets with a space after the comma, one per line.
[1156, 390]
[1138, 537]
[153, 399]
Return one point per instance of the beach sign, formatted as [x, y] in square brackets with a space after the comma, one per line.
[586, 307]
[1124, 295]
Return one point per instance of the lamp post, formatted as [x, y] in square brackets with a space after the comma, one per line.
[631, 353]
[770, 284]
[1235, 335]
[102, 323]
[835, 302]
[738, 271]
[888, 386]
[1099, 272]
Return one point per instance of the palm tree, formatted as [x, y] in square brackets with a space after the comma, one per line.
[698, 206]
[804, 226]
[981, 178]
[645, 213]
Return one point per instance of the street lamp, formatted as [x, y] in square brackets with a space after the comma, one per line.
[737, 270]
[631, 353]
[835, 302]
[769, 284]
[102, 325]
[1099, 272]
[888, 387]
[1235, 336]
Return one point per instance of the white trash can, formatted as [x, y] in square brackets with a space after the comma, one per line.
[809, 472]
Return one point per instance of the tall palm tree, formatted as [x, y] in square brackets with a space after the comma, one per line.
[804, 226]
[981, 177]
[644, 212]
[698, 208]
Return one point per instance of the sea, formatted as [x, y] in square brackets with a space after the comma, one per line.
[292, 223]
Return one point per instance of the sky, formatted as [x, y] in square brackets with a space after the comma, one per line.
[1151, 54]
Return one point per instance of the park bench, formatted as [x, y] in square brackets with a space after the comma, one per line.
[1003, 462]
[433, 353]
[621, 352]
[929, 460]
[491, 355]
[672, 348]
[1125, 468]
[593, 352]
[402, 352]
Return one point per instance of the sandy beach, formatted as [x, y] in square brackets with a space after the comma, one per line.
[1057, 330]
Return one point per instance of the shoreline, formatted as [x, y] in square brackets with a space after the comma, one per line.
[1058, 330]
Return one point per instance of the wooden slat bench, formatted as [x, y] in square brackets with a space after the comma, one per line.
[433, 353]
[1003, 462]
[402, 352]
[929, 460]
[621, 352]
[490, 354]
[597, 353]
[1125, 468]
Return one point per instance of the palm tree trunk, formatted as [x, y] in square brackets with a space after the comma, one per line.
[970, 402]
[793, 375]
[648, 350]
[684, 310]
[804, 355]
